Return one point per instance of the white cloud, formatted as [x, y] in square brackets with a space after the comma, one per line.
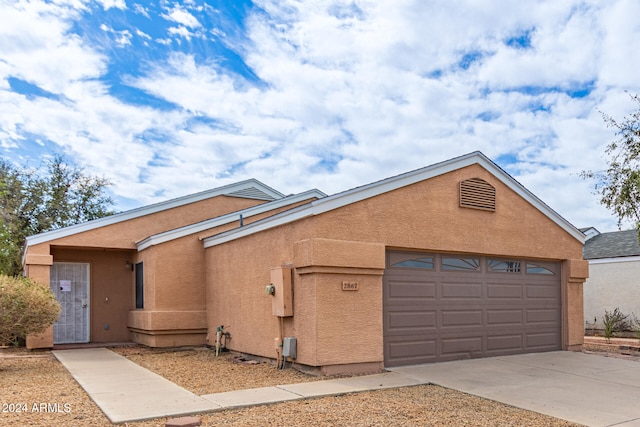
[183, 17]
[559, 42]
[143, 34]
[182, 32]
[122, 38]
[47, 55]
[619, 60]
[138, 8]
[108, 4]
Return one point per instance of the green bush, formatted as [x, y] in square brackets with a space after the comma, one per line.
[26, 307]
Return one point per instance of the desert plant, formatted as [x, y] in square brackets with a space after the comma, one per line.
[614, 321]
[26, 307]
[635, 325]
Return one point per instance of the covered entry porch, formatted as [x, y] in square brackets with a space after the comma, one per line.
[95, 289]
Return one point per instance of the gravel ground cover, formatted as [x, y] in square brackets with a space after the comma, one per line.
[36, 390]
[201, 372]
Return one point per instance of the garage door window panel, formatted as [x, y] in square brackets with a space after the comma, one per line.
[503, 266]
[460, 264]
[536, 268]
[423, 263]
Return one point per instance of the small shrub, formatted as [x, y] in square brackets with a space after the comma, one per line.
[26, 307]
[635, 325]
[614, 321]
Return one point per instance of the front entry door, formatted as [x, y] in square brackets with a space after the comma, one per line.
[70, 283]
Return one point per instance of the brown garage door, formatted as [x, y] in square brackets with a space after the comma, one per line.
[441, 307]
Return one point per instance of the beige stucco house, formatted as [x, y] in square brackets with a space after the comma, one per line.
[454, 260]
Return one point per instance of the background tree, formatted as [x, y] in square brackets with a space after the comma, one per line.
[619, 185]
[34, 201]
[26, 307]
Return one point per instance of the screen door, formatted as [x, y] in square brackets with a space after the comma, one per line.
[70, 283]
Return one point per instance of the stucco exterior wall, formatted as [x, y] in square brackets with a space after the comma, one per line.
[611, 285]
[347, 330]
[236, 278]
[335, 327]
[174, 289]
[174, 296]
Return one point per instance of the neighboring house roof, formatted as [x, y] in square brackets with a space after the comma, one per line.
[250, 189]
[226, 219]
[360, 193]
[615, 244]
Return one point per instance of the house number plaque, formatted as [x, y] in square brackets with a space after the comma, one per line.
[349, 286]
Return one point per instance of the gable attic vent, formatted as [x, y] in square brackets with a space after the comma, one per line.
[251, 193]
[477, 193]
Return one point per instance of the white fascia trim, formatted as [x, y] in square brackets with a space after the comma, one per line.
[167, 236]
[370, 190]
[147, 210]
[614, 260]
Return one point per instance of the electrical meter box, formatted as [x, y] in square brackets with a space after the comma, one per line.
[282, 297]
[289, 347]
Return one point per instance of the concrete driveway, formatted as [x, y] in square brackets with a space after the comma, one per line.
[584, 388]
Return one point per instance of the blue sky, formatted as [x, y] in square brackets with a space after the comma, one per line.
[165, 99]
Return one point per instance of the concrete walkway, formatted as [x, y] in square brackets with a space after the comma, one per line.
[125, 391]
[587, 389]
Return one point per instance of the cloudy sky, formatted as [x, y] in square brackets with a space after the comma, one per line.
[169, 98]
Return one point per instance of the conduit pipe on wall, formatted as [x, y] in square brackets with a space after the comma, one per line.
[278, 341]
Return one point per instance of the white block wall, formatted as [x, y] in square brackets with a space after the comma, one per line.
[612, 283]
